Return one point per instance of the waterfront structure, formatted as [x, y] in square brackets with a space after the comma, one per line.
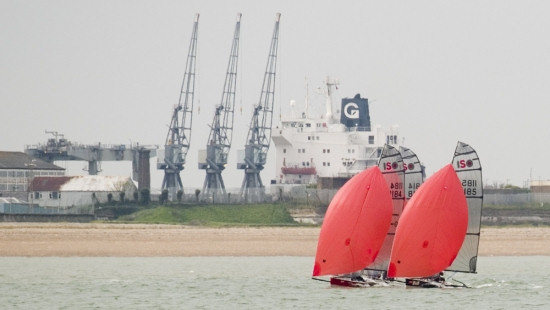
[76, 191]
[213, 159]
[17, 170]
[178, 140]
[254, 157]
[61, 149]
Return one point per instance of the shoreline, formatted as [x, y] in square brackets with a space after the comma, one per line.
[149, 240]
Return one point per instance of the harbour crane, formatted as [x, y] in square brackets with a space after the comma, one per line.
[259, 132]
[178, 138]
[214, 158]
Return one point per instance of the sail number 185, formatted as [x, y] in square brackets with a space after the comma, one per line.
[470, 187]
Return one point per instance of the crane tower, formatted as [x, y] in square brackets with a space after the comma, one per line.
[178, 138]
[259, 133]
[214, 158]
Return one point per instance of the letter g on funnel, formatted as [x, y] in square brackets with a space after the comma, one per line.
[351, 110]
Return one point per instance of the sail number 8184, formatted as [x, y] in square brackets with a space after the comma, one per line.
[396, 189]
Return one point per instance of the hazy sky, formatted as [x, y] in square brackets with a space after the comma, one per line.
[111, 72]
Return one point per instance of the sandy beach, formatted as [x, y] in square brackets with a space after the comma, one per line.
[72, 239]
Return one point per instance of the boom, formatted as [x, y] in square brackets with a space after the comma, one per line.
[259, 132]
[178, 139]
[214, 159]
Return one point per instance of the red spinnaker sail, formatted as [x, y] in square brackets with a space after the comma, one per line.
[432, 227]
[355, 225]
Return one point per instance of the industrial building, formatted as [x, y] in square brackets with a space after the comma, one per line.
[17, 170]
[540, 186]
[78, 191]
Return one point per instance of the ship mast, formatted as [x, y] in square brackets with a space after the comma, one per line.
[331, 84]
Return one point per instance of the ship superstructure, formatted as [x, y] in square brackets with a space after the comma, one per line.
[329, 150]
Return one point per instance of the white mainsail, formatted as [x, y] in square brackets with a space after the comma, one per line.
[391, 166]
[468, 168]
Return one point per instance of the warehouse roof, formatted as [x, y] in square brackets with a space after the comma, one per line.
[20, 160]
[83, 183]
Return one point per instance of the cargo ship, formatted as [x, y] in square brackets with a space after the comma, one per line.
[327, 151]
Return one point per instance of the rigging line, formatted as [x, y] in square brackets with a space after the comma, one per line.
[450, 278]
[463, 284]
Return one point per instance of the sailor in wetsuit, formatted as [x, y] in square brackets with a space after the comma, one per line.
[356, 276]
[439, 278]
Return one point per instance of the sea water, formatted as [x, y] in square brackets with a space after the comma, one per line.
[251, 283]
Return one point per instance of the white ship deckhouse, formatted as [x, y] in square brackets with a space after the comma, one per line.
[327, 151]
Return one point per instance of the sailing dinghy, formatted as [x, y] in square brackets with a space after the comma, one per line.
[354, 228]
[432, 228]
[403, 183]
[393, 169]
[440, 227]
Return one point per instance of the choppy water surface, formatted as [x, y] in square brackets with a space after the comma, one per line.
[251, 283]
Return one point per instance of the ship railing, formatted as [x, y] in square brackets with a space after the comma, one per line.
[355, 129]
[305, 164]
